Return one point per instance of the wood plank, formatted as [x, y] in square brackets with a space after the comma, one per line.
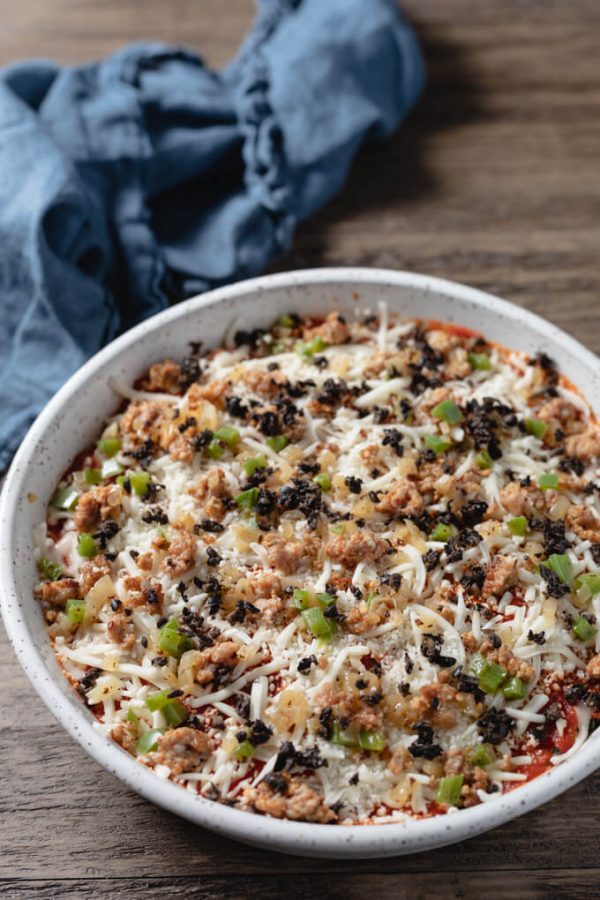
[501, 885]
[74, 31]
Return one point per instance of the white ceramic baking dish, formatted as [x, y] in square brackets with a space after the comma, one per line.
[72, 420]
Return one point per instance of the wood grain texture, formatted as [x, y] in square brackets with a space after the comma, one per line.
[499, 885]
[494, 180]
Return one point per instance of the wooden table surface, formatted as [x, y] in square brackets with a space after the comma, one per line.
[493, 181]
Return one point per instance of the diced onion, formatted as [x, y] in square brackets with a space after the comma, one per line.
[97, 596]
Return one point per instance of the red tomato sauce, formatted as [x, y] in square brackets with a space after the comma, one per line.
[551, 745]
[254, 767]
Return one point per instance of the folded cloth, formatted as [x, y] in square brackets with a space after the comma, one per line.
[129, 184]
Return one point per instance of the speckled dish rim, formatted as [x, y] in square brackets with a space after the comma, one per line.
[292, 837]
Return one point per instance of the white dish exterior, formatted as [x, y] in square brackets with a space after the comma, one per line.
[74, 417]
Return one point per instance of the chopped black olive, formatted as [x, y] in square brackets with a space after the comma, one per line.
[236, 408]
[554, 585]
[555, 540]
[151, 596]
[473, 512]
[423, 746]
[473, 578]
[332, 612]
[431, 558]
[87, 681]
[208, 525]
[372, 699]
[213, 557]
[495, 725]
[155, 515]
[189, 422]
[380, 414]
[239, 613]
[267, 422]
[251, 338]
[538, 637]
[576, 693]
[305, 663]
[460, 542]
[143, 453]
[266, 503]
[203, 439]
[277, 783]
[304, 496]
[326, 723]
[259, 733]
[571, 464]
[353, 484]
[106, 531]
[468, 684]
[393, 580]
[431, 645]
[393, 438]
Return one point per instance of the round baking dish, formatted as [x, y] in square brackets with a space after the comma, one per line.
[72, 420]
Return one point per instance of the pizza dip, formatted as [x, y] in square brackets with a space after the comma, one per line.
[336, 571]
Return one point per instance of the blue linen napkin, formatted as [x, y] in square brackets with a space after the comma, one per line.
[132, 183]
